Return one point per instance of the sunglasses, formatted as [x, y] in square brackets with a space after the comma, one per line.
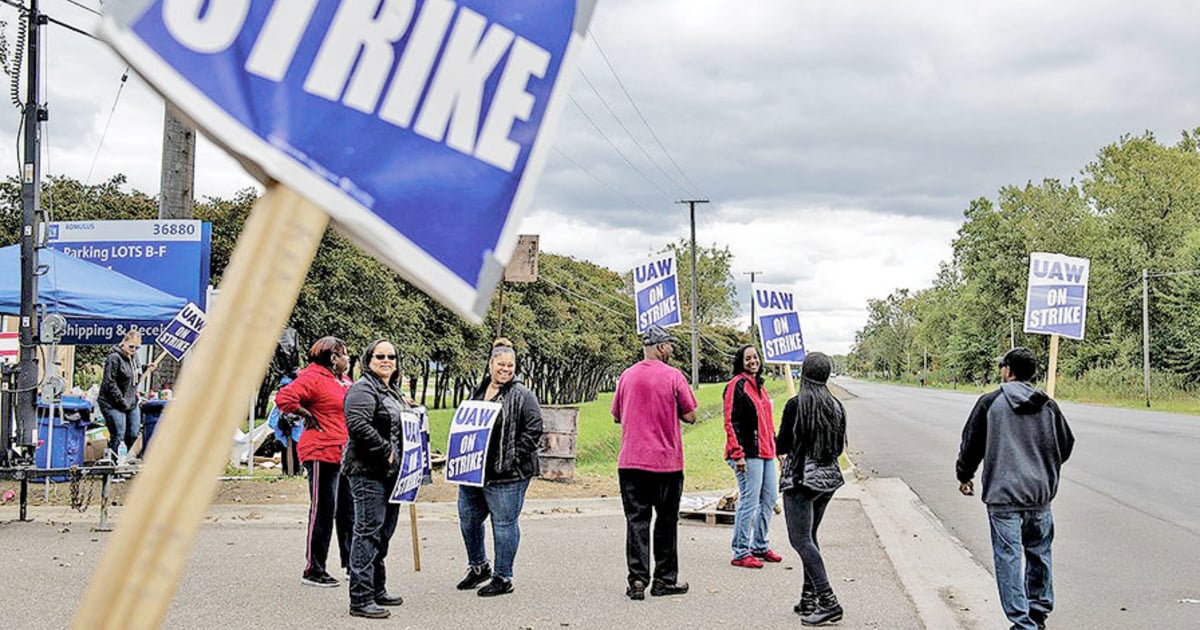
[383, 357]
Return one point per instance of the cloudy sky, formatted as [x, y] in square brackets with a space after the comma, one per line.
[839, 142]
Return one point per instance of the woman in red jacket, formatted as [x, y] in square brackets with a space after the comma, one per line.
[750, 451]
[317, 396]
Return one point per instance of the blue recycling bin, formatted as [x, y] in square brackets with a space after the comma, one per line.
[69, 435]
[152, 411]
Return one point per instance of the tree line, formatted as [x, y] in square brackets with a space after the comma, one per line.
[1135, 207]
[573, 328]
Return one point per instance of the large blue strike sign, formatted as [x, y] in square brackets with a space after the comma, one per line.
[778, 323]
[412, 461]
[656, 291]
[1056, 301]
[419, 125]
[470, 433]
[171, 255]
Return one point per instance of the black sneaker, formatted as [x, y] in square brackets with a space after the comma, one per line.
[636, 590]
[325, 581]
[475, 577]
[661, 588]
[498, 586]
[370, 611]
[384, 599]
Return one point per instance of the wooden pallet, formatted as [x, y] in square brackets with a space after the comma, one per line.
[709, 514]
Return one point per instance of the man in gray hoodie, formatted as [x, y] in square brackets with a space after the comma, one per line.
[1022, 439]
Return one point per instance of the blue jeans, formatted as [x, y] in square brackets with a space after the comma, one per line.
[756, 506]
[122, 425]
[374, 523]
[503, 502]
[1027, 596]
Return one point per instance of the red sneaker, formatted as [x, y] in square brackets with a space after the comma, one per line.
[749, 562]
[769, 556]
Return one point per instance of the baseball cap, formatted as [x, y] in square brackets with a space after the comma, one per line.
[655, 335]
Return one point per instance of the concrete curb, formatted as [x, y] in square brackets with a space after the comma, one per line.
[948, 585]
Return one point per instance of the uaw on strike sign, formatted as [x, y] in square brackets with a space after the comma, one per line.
[778, 323]
[656, 292]
[419, 125]
[1056, 302]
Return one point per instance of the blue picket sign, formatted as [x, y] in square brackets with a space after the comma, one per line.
[420, 126]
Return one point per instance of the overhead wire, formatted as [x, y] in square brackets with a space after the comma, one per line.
[104, 134]
[616, 192]
[636, 142]
[84, 7]
[596, 43]
[615, 147]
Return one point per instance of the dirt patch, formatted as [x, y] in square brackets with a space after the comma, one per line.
[284, 490]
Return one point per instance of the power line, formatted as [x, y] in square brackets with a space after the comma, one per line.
[602, 182]
[596, 42]
[600, 291]
[124, 77]
[84, 7]
[608, 107]
[583, 297]
[614, 146]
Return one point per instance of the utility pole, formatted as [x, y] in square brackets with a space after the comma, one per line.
[1146, 333]
[175, 197]
[753, 319]
[695, 326]
[31, 189]
[178, 178]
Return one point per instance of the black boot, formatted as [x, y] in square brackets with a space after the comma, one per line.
[828, 610]
[808, 602]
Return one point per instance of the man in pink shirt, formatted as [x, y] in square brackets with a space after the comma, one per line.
[651, 399]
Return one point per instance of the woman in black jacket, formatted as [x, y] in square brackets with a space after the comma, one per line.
[371, 462]
[510, 463]
[812, 435]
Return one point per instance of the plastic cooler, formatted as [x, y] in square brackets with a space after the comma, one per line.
[152, 411]
[66, 447]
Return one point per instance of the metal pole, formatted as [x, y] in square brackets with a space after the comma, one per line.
[753, 319]
[695, 324]
[250, 434]
[104, 500]
[1146, 333]
[31, 176]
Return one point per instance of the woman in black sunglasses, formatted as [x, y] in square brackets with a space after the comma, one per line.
[371, 462]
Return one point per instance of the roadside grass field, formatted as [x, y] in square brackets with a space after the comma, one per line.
[598, 441]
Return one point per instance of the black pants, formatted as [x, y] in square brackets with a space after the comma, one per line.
[329, 493]
[803, 510]
[644, 492]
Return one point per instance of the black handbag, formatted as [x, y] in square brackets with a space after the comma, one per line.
[822, 477]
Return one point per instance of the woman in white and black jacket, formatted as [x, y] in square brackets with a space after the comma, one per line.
[512, 460]
[812, 435]
[371, 462]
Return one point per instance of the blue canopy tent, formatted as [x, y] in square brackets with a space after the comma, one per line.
[73, 287]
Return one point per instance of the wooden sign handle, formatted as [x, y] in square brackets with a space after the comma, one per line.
[1052, 367]
[141, 565]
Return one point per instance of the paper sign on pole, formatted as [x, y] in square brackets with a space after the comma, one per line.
[412, 461]
[470, 433]
[420, 127]
[778, 323]
[656, 291]
[1056, 301]
[181, 333]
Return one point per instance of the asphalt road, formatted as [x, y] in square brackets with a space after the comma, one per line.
[1127, 516]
